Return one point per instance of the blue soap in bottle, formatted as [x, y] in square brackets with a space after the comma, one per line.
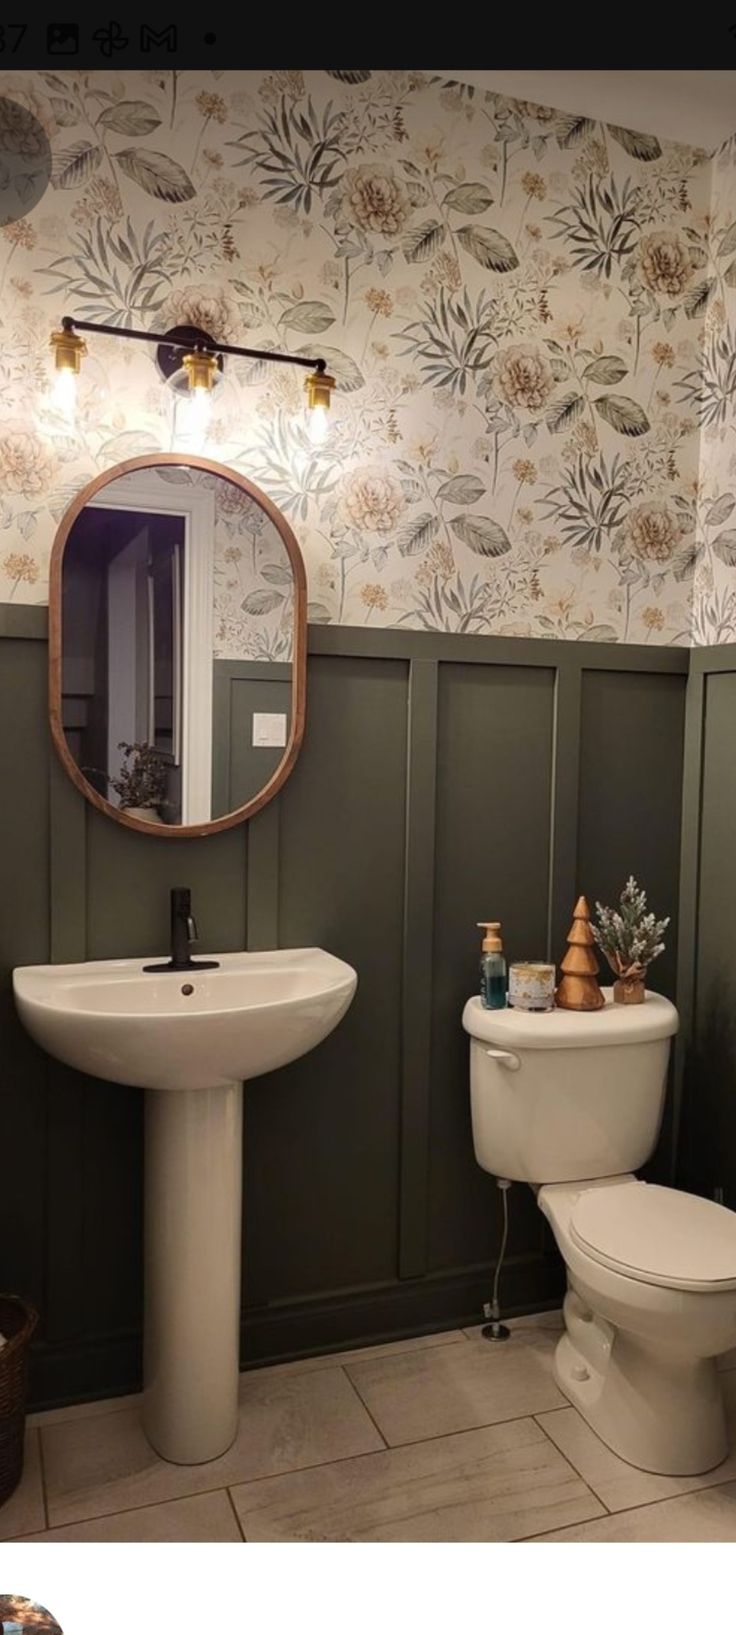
[492, 967]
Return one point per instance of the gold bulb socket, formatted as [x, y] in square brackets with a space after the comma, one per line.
[319, 388]
[68, 349]
[201, 370]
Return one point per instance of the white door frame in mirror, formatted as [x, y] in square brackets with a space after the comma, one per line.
[197, 507]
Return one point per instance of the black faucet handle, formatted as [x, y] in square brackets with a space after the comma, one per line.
[192, 931]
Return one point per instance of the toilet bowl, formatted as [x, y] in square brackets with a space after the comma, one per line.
[572, 1103]
[650, 1305]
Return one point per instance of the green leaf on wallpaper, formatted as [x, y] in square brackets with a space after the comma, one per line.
[626, 416]
[481, 535]
[276, 573]
[416, 535]
[564, 412]
[489, 247]
[470, 198]
[74, 165]
[422, 241]
[728, 242]
[417, 192]
[463, 490]
[598, 633]
[719, 511]
[725, 547]
[65, 111]
[126, 444]
[636, 143]
[311, 317]
[348, 376]
[606, 371]
[262, 601]
[350, 76]
[684, 563]
[571, 129]
[317, 613]
[156, 173]
[130, 118]
[698, 299]
[729, 277]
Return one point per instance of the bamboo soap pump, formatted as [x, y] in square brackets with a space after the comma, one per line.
[578, 988]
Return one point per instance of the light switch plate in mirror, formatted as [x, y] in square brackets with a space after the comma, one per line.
[177, 620]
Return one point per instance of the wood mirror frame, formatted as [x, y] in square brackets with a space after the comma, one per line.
[298, 662]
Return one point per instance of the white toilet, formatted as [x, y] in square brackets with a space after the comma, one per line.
[572, 1103]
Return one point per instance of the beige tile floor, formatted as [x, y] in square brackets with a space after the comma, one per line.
[442, 1438]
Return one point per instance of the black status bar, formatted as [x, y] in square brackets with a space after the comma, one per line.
[155, 41]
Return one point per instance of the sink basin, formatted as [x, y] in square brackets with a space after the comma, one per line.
[189, 1039]
[185, 1030]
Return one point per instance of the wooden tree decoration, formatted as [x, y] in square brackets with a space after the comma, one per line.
[578, 988]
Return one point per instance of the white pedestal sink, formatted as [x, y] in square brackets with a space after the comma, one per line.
[189, 1038]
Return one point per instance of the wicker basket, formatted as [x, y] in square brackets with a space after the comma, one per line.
[17, 1322]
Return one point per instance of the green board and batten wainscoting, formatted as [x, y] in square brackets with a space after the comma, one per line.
[443, 780]
[706, 1147]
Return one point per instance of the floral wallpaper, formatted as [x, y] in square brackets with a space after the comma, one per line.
[712, 394]
[513, 300]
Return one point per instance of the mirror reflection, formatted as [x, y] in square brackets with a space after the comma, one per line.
[177, 644]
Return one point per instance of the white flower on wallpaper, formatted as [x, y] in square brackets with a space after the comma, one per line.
[514, 302]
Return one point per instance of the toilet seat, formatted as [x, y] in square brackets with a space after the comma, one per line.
[657, 1235]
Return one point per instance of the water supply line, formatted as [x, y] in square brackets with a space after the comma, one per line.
[495, 1329]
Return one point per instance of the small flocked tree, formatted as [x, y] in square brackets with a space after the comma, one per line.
[630, 938]
[578, 988]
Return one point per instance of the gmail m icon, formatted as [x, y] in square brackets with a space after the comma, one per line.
[158, 39]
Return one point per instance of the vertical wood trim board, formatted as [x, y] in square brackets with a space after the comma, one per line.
[421, 784]
[563, 845]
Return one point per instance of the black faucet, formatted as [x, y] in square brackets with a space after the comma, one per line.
[183, 934]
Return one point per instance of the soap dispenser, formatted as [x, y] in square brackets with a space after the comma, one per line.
[492, 967]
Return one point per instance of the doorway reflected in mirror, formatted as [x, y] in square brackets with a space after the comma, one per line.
[180, 602]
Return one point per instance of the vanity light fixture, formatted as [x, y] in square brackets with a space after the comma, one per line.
[68, 349]
[192, 363]
[319, 387]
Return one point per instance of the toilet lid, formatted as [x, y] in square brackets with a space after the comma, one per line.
[658, 1235]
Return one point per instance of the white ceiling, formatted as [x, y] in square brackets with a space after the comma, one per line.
[695, 105]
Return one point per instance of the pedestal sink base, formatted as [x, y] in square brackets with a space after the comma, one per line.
[193, 1188]
[117, 1020]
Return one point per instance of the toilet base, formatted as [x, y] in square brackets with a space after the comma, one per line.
[659, 1410]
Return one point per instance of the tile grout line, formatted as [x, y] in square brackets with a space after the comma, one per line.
[373, 1421]
[238, 1522]
[649, 1504]
[130, 1509]
[568, 1460]
[102, 1407]
[296, 1470]
[332, 1360]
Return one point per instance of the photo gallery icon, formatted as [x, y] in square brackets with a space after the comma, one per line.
[62, 39]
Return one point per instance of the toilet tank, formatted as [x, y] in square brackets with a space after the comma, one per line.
[568, 1095]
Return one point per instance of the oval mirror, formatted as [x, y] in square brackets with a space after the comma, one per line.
[177, 642]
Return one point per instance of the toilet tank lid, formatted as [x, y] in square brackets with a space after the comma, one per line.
[656, 1018]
